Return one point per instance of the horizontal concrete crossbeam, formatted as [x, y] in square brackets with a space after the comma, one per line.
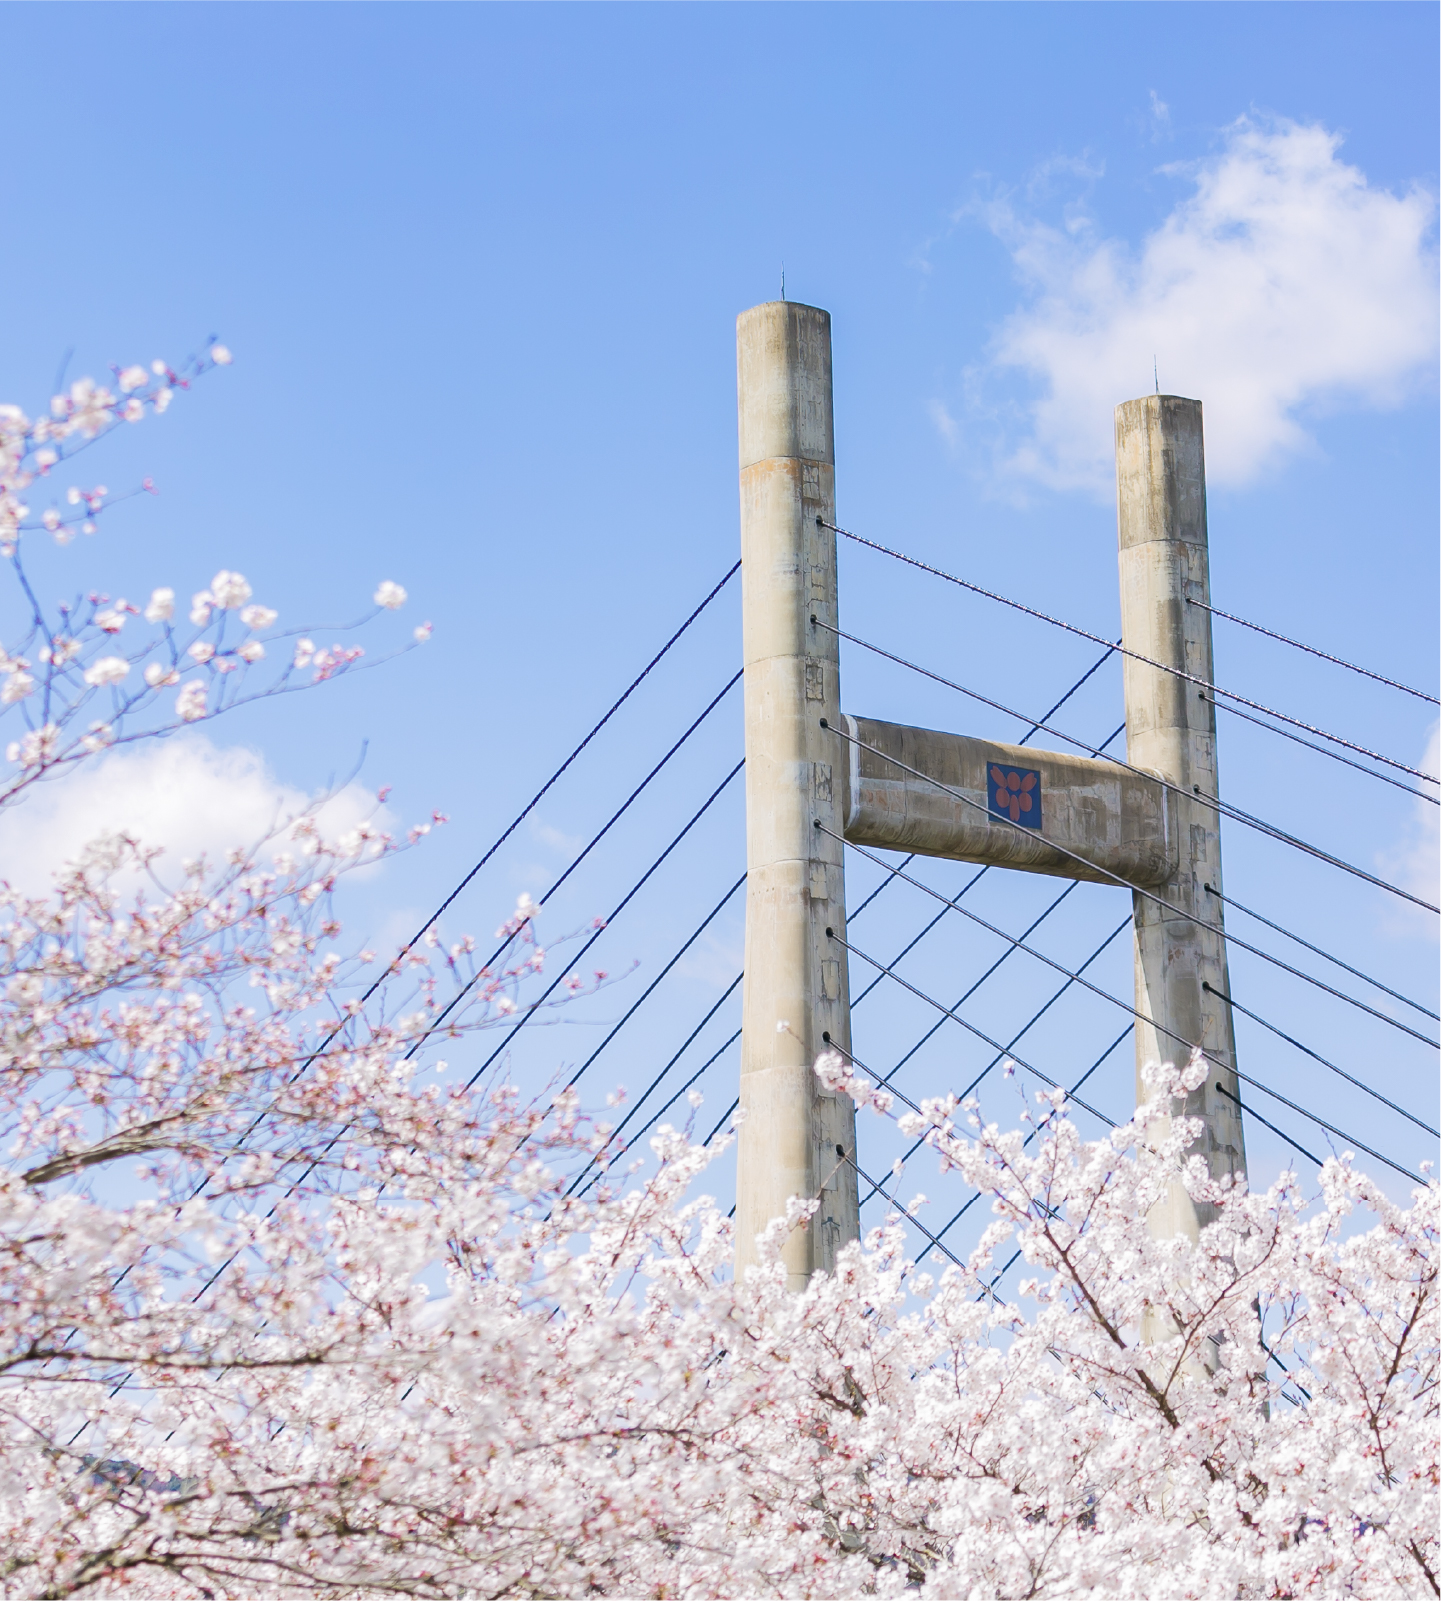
[1119, 821]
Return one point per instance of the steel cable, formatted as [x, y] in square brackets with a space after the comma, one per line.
[630, 895]
[1325, 656]
[1020, 1033]
[877, 1187]
[1141, 1017]
[645, 994]
[1085, 633]
[1157, 900]
[1123, 1035]
[1315, 1056]
[1251, 1111]
[1355, 971]
[595, 840]
[1223, 808]
[1019, 944]
[1335, 756]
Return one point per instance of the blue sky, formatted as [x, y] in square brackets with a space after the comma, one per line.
[480, 268]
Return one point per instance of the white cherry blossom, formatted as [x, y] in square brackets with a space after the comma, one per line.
[190, 704]
[229, 590]
[107, 670]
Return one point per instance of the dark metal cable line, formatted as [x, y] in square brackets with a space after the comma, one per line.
[729, 1111]
[971, 1028]
[1158, 900]
[1223, 808]
[1141, 1017]
[1085, 633]
[515, 823]
[1020, 1033]
[660, 1076]
[650, 989]
[635, 888]
[1025, 739]
[1315, 1056]
[620, 906]
[1125, 1032]
[1335, 756]
[656, 1117]
[595, 840]
[1325, 656]
[965, 889]
[550, 783]
[971, 990]
[1355, 971]
[1018, 943]
[1251, 1111]
[911, 1218]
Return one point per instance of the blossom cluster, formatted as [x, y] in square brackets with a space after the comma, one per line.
[96, 671]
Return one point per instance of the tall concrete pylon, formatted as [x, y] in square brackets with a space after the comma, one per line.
[1171, 731]
[796, 988]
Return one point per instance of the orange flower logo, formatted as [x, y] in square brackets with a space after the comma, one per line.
[1016, 793]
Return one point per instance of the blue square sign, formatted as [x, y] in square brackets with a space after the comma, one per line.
[1015, 794]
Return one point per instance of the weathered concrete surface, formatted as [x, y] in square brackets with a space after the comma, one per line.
[1171, 731]
[796, 987]
[1115, 820]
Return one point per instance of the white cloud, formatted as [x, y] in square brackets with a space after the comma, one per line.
[1160, 118]
[182, 794]
[1284, 280]
[946, 425]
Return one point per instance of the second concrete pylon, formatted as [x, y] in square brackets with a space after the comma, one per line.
[1171, 731]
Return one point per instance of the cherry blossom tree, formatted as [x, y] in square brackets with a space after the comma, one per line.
[286, 1309]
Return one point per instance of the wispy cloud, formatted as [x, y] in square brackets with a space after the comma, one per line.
[1160, 119]
[185, 795]
[1415, 862]
[1283, 280]
[946, 425]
